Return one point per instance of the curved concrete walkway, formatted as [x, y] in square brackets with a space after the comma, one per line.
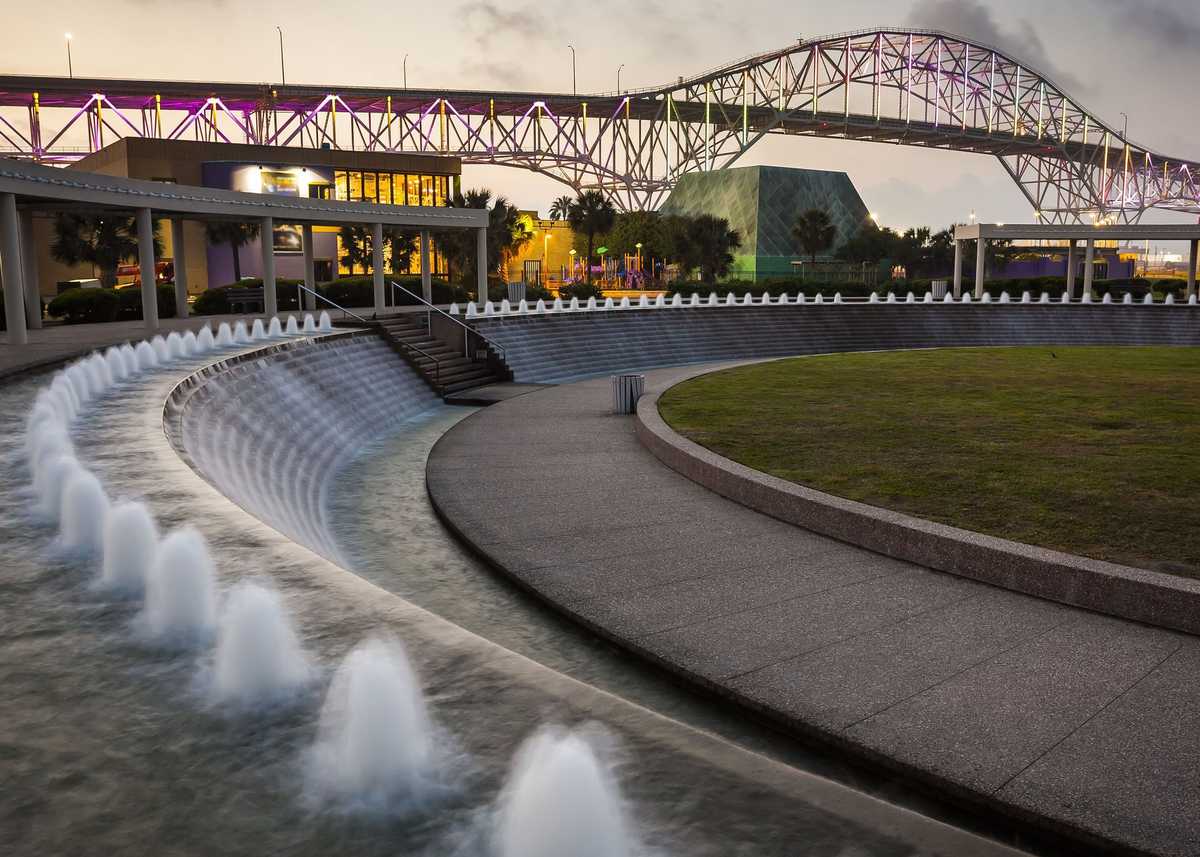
[1083, 723]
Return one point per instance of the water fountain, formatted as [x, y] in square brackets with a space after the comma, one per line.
[117, 367]
[375, 743]
[131, 359]
[240, 335]
[292, 328]
[82, 512]
[324, 324]
[258, 331]
[275, 328]
[205, 341]
[50, 480]
[175, 345]
[259, 659]
[180, 589]
[161, 350]
[224, 335]
[130, 541]
[310, 325]
[146, 356]
[561, 800]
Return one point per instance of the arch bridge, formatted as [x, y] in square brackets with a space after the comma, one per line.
[907, 87]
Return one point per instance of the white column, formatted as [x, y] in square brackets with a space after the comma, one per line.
[1191, 271]
[980, 266]
[310, 271]
[145, 231]
[10, 258]
[426, 276]
[958, 252]
[1089, 257]
[29, 271]
[266, 235]
[181, 281]
[377, 266]
[481, 262]
[1072, 264]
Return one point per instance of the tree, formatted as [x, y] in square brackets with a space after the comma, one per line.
[357, 251]
[102, 242]
[560, 208]
[404, 243]
[713, 242]
[815, 232]
[871, 244]
[236, 235]
[591, 213]
[508, 232]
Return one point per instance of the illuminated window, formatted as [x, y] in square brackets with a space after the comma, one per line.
[397, 181]
[341, 182]
[356, 183]
[414, 190]
[370, 188]
[426, 190]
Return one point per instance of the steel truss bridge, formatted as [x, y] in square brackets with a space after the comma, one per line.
[913, 88]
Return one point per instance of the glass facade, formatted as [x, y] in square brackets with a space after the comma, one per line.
[388, 188]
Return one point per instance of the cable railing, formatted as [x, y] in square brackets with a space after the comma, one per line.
[468, 331]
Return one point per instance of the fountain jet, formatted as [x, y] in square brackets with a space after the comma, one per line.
[130, 541]
[259, 658]
[180, 589]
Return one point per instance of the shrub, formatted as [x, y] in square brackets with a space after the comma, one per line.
[580, 290]
[212, 302]
[533, 293]
[85, 306]
[129, 302]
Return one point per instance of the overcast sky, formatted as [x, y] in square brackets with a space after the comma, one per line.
[1137, 56]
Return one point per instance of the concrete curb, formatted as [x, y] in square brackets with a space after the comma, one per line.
[1117, 590]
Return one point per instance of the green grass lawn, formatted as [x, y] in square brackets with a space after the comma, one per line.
[1095, 451]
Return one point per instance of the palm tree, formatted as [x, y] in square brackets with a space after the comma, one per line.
[560, 208]
[234, 233]
[508, 232]
[404, 243]
[815, 232]
[714, 242]
[591, 212]
[102, 242]
[357, 250]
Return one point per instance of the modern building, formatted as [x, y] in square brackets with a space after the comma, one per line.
[762, 204]
[382, 177]
[547, 257]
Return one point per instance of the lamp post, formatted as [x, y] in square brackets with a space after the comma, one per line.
[621, 66]
[70, 67]
[639, 256]
[573, 89]
[572, 254]
[282, 68]
[545, 255]
[404, 66]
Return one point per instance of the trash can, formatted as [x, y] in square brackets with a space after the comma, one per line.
[516, 293]
[939, 289]
[627, 389]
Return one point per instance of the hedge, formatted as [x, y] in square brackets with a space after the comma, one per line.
[84, 306]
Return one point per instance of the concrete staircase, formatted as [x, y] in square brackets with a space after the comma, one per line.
[445, 369]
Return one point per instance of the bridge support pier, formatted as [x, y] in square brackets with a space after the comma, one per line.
[146, 269]
[10, 258]
[179, 255]
[377, 267]
[426, 277]
[1089, 257]
[29, 271]
[980, 266]
[267, 240]
[1072, 264]
[958, 263]
[481, 266]
[1194, 246]
[310, 271]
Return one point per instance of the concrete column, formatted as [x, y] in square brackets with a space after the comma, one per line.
[980, 266]
[1191, 271]
[10, 259]
[1089, 257]
[145, 232]
[481, 262]
[310, 271]
[29, 271]
[266, 235]
[1072, 264]
[377, 266]
[958, 252]
[181, 281]
[426, 276]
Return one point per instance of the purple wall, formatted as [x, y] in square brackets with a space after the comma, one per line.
[1048, 266]
[287, 265]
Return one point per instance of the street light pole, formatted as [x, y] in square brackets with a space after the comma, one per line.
[573, 88]
[282, 68]
[621, 66]
[404, 65]
[70, 67]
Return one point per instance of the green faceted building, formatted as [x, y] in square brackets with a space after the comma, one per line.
[762, 204]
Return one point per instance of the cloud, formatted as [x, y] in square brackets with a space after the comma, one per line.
[489, 20]
[973, 20]
[1159, 23]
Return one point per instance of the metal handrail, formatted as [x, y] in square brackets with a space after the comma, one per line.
[321, 297]
[467, 329]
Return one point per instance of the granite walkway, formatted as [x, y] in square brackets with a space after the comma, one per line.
[1082, 723]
